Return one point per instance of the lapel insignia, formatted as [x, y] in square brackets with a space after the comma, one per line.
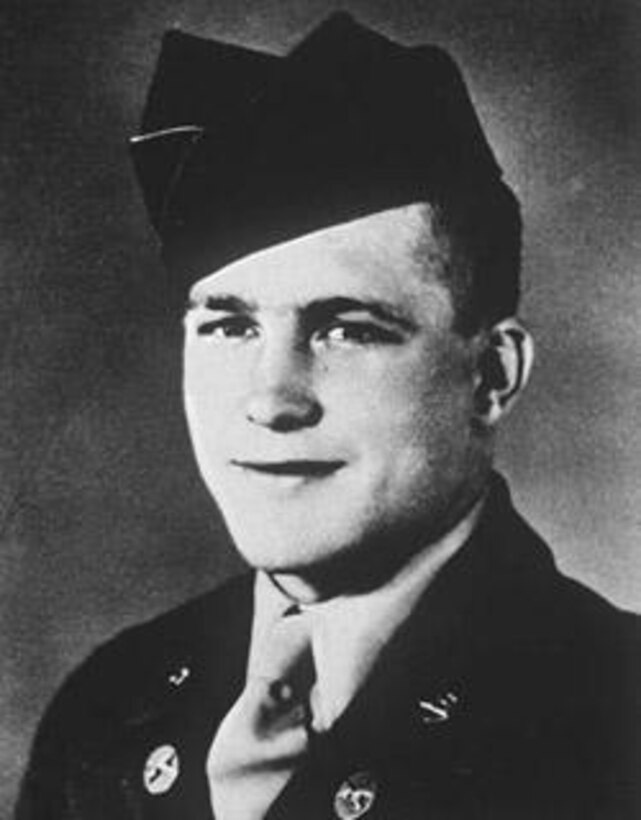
[179, 676]
[161, 769]
[438, 710]
[355, 796]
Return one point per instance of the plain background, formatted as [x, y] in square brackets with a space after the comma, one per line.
[103, 519]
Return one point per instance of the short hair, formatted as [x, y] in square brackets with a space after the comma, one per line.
[483, 230]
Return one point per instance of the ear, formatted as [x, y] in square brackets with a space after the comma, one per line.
[503, 370]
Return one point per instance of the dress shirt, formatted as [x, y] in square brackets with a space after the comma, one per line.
[350, 631]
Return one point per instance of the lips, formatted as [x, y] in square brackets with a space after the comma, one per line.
[298, 468]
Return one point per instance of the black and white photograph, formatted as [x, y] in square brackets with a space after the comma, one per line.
[320, 453]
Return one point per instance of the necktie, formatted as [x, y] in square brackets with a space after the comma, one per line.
[265, 734]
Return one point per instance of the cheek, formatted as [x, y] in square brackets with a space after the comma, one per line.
[416, 444]
[213, 387]
[212, 394]
[406, 407]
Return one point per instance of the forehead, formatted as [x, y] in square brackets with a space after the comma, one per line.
[391, 255]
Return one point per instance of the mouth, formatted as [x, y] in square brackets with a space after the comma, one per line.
[297, 469]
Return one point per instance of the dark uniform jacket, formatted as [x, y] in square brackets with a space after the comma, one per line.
[512, 692]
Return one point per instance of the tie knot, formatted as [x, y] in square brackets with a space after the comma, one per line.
[285, 661]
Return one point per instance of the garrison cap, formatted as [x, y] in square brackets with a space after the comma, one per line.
[241, 150]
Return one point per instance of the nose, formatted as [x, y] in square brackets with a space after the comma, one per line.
[282, 397]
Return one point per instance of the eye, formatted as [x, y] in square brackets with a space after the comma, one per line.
[230, 328]
[358, 333]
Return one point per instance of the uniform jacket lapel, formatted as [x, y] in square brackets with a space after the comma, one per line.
[149, 762]
[455, 713]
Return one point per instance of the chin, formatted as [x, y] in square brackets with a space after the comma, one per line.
[275, 551]
[315, 565]
[288, 543]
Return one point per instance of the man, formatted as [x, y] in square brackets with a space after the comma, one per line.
[406, 647]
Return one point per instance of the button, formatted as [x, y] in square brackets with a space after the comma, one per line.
[161, 769]
[355, 796]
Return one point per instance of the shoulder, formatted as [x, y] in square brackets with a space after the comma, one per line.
[519, 560]
[581, 667]
[547, 612]
[591, 648]
[571, 614]
[553, 656]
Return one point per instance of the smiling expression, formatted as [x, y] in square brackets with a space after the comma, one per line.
[329, 399]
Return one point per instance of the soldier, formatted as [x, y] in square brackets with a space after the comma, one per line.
[404, 645]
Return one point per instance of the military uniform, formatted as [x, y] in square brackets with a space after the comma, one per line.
[511, 692]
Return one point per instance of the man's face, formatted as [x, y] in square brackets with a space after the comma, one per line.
[328, 397]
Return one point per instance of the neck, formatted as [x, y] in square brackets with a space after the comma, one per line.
[367, 569]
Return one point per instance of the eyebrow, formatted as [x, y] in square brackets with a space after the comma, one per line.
[316, 311]
[225, 303]
[322, 309]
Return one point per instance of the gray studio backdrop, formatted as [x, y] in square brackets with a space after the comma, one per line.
[103, 520]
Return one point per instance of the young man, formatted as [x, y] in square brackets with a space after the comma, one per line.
[405, 646]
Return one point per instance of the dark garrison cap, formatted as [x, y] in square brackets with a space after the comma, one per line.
[241, 150]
